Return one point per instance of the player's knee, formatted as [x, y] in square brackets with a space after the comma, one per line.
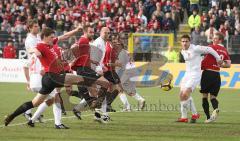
[212, 97]
[184, 96]
[49, 102]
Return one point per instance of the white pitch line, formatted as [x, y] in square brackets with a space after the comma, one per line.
[50, 119]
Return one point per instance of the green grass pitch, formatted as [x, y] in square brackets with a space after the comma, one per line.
[156, 123]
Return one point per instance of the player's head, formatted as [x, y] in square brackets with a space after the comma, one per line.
[33, 26]
[105, 32]
[218, 38]
[185, 41]
[88, 31]
[47, 35]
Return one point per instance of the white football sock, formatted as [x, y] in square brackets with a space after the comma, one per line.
[104, 107]
[82, 105]
[124, 100]
[138, 97]
[57, 111]
[192, 106]
[184, 105]
[41, 108]
[28, 111]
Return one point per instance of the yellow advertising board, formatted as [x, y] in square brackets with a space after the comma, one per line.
[151, 74]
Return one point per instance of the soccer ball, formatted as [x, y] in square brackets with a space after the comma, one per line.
[166, 87]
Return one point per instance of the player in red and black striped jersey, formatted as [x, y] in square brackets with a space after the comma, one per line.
[54, 74]
[109, 61]
[211, 80]
[82, 65]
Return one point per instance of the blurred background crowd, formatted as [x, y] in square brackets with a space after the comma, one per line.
[204, 17]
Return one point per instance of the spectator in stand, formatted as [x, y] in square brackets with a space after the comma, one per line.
[195, 35]
[142, 18]
[194, 20]
[168, 23]
[176, 17]
[225, 3]
[210, 32]
[9, 51]
[158, 12]
[204, 26]
[168, 7]
[194, 5]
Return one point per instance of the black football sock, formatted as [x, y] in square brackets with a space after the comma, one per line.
[214, 102]
[205, 106]
[21, 109]
[111, 97]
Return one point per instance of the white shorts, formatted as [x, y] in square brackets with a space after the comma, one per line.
[128, 86]
[52, 94]
[190, 82]
[35, 82]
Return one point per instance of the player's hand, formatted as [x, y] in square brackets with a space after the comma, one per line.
[42, 72]
[28, 86]
[220, 62]
[74, 45]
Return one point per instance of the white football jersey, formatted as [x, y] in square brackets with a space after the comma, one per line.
[33, 62]
[193, 58]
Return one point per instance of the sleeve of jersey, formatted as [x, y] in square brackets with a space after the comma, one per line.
[40, 48]
[207, 50]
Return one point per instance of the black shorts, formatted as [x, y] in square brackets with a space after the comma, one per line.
[112, 76]
[210, 82]
[89, 75]
[50, 81]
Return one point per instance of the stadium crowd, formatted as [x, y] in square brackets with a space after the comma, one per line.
[205, 17]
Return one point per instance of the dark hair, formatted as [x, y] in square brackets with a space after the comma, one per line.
[185, 36]
[31, 22]
[220, 36]
[85, 28]
[46, 32]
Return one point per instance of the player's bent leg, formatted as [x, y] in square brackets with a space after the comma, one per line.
[102, 82]
[38, 99]
[71, 79]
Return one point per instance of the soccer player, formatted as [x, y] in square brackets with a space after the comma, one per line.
[55, 98]
[33, 69]
[192, 56]
[82, 65]
[211, 80]
[53, 76]
[98, 54]
[126, 72]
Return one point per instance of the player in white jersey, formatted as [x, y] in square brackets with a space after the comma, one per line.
[126, 72]
[99, 46]
[32, 68]
[192, 55]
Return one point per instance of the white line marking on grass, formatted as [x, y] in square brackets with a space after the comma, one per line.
[69, 117]
[45, 120]
[50, 119]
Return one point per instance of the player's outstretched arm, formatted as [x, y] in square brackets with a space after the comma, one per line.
[69, 34]
[209, 50]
